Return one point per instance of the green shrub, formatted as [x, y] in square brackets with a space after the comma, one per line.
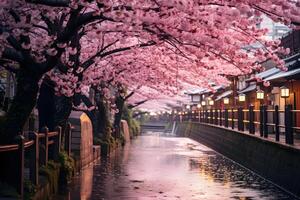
[51, 172]
[134, 125]
[110, 140]
[67, 167]
[97, 141]
[122, 139]
[29, 189]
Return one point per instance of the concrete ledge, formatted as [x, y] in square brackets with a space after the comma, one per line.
[277, 162]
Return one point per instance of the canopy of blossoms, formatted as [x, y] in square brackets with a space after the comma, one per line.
[163, 45]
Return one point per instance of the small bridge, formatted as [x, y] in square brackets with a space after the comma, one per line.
[161, 127]
[153, 126]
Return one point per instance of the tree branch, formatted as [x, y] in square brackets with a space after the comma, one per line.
[54, 3]
[137, 104]
[91, 60]
[129, 95]
[12, 54]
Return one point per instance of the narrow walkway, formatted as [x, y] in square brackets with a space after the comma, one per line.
[157, 167]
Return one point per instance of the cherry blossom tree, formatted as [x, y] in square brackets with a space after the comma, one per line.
[81, 43]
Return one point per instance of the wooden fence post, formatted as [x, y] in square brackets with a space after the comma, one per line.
[20, 165]
[226, 117]
[45, 147]
[200, 116]
[57, 143]
[251, 120]
[276, 120]
[34, 158]
[240, 119]
[68, 138]
[232, 117]
[265, 119]
[261, 121]
[221, 116]
[216, 116]
[289, 138]
[211, 116]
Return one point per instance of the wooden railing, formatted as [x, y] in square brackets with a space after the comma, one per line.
[41, 147]
[261, 121]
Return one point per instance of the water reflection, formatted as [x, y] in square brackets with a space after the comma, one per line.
[86, 183]
[156, 167]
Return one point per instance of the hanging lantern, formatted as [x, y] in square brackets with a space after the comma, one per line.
[211, 102]
[203, 103]
[198, 105]
[188, 107]
[226, 101]
[260, 94]
[242, 97]
[284, 92]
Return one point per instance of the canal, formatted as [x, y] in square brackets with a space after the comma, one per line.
[158, 167]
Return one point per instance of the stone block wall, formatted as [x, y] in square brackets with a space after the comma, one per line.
[279, 163]
[125, 130]
[82, 138]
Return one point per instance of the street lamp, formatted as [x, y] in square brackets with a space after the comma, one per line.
[203, 103]
[260, 94]
[198, 105]
[211, 102]
[284, 92]
[226, 101]
[242, 97]
[188, 107]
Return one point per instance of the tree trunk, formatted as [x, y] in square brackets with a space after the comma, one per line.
[46, 105]
[103, 122]
[93, 117]
[63, 110]
[21, 107]
[118, 116]
[14, 121]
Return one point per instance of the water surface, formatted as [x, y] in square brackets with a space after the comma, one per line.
[158, 167]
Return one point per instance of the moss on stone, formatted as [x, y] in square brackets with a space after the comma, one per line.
[133, 125]
[67, 168]
[51, 172]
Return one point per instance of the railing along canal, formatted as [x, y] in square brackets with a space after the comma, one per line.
[41, 148]
[262, 121]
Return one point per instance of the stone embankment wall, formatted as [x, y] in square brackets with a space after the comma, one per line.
[125, 130]
[82, 139]
[279, 163]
